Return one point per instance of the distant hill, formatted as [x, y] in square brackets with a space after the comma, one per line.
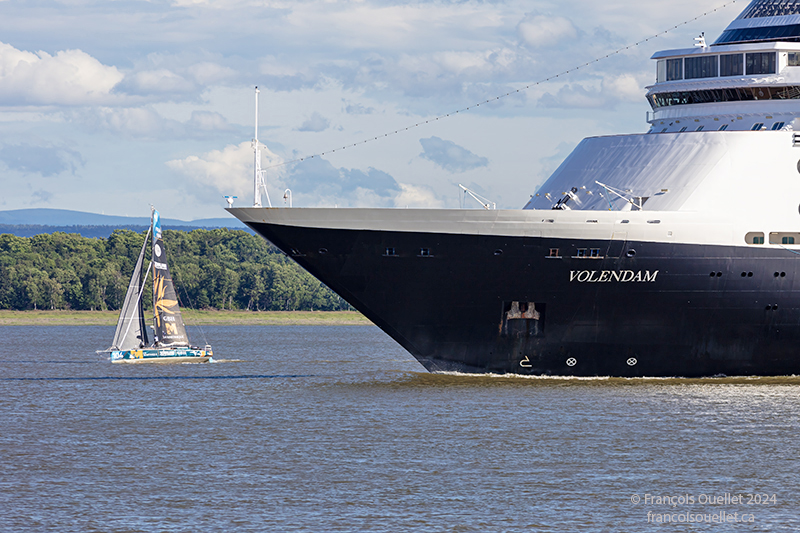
[65, 217]
[30, 222]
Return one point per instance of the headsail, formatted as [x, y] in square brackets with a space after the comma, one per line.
[131, 329]
[169, 326]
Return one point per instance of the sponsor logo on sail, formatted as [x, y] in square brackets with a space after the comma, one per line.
[613, 276]
[160, 266]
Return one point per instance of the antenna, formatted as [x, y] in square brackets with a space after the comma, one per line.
[287, 197]
[701, 41]
[230, 200]
[258, 175]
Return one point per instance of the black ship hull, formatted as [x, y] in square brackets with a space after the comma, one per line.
[545, 306]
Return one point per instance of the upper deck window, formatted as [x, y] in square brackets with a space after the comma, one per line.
[760, 34]
[794, 59]
[760, 63]
[674, 69]
[731, 65]
[700, 67]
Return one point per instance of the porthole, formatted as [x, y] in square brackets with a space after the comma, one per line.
[631, 252]
[719, 274]
[798, 165]
[498, 252]
[323, 251]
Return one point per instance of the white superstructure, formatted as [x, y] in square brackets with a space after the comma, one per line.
[724, 139]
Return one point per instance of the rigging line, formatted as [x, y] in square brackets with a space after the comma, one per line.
[177, 272]
[496, 98]
[789, 249]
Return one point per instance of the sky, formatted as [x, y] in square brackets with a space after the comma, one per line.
[110, 106]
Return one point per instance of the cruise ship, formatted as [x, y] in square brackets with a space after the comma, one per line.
[674, 252]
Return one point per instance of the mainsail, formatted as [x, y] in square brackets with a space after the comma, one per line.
[131, 329]
[169, 328]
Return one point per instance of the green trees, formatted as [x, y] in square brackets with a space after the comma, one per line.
[218, 268]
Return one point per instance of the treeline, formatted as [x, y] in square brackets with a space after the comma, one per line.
[219, 269]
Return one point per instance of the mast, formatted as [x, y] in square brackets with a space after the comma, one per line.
[152, 260]
[258, 174]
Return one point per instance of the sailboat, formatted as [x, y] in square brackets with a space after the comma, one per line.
[170, 341]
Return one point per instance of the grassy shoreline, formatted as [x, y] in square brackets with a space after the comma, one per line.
[190, 316]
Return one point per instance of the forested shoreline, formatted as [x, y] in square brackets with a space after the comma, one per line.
[212, 269]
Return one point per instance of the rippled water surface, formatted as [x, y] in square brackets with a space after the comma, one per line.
[338, 429]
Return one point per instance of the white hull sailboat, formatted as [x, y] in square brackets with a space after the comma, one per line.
[170, 341]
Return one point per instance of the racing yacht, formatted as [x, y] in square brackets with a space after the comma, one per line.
[674, 252]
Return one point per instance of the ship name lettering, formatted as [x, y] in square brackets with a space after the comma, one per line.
[606, 276]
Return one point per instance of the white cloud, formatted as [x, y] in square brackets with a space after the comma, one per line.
[130, 122]
[159, 81]
[208, 121]
[145, 122]
[541, 31]
[416, 196]
[71, 77]
[450, 156]
[226, 172]
[37, 159]
[627, 87]
[315, 123]
[207, 72]
[610, 91]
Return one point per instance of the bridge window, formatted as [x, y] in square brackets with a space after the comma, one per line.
[794, 59]
[735, 94]
[674, 69]
[778, 125]
[700, 67]
[760, 63]
[731, 65]
[757, 126]
[723, 127]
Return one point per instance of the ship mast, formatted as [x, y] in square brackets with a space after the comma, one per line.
[258, 174]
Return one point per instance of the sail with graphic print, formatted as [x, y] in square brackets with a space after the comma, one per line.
[170, 341]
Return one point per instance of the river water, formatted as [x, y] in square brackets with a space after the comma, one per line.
[303, 428]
